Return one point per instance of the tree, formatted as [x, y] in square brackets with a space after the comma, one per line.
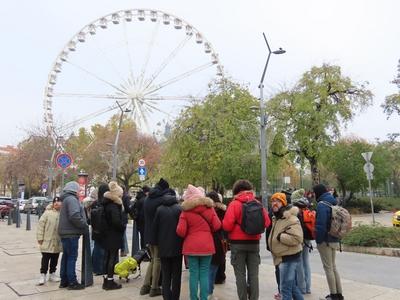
[392, 102]
[310, 115]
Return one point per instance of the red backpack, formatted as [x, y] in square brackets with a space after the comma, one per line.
[309, 217]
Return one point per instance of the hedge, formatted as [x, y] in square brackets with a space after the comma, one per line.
[373, 236]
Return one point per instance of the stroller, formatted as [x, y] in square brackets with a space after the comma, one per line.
[131, 265]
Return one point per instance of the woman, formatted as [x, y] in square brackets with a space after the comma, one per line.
[113, 232]
[49, 241]
[197, 222]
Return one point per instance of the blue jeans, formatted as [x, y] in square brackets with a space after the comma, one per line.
[211, 278]
[68, 260]
[199, 267]
[303, 273]
[287, 272]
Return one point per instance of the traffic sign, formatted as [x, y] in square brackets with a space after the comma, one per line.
[142, 177]
[142, 171]
[44, 186]
[142, 162]
[367, 156]
[63, 160]
[368, 168]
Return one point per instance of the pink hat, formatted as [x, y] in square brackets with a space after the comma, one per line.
[193, 193]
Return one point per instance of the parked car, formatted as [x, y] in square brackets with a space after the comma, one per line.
[396, 219]
[33, 203]
[6, 204]
[22, 205]
[42, 206]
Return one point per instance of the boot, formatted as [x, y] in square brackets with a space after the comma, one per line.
[111, 285]
[54, 278]
[145, 289]
[42, 279]
[339, 297]
[155, 292]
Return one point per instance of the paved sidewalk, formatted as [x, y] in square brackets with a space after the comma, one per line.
[20, 263]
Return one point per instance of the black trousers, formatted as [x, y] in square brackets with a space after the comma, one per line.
[46, 258]
[111, 258]
[141, 233]
[171, 270]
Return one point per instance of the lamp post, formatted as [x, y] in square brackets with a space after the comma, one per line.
[263, 125]
[115, 145]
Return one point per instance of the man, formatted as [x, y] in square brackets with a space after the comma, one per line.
[152, 202]
[285, 242]
[138, 213]
[245, 248]
[327, 244]
[72, 225]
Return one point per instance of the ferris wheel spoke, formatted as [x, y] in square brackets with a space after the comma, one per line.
[178, 78]
[149, 52]
[153, 107]
[165, 63]
[96, 76]
[128, 51]
[76, 122]
[171, 98]
[94, 96]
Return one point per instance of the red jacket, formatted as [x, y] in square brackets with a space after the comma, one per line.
[233, 218]
[196, 223]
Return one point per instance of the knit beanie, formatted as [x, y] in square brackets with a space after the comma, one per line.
[281, 197]
[297, 195]
[115, 189]
[162, 184]
[319, 189]
[193, 193]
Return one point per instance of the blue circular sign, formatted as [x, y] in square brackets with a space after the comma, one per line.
[63, 160]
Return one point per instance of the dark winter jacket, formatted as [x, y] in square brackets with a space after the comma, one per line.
[324, 214]
[219, 256]
[137, 211]
[151, 203]
[196, 224]
[115, 225]
[72, 216]
[164, 226]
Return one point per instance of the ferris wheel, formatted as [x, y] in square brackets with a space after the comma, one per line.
[148, 62]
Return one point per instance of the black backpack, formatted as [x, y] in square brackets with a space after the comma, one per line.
[98, 221]
[252, 217]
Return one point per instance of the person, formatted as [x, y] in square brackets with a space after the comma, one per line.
[169, 245]
[327, 244]
[72, 224]
[245, 248]
[49, 241]
[126, 202]
[151, 283]
[218, 259]
[113, 233]
[285, 242]
[98, 253]
[197, 222]
[138, 213]
[303, 272]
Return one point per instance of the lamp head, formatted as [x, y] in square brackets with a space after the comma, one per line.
[279, 51]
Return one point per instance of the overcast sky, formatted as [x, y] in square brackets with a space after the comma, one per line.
[362, 36]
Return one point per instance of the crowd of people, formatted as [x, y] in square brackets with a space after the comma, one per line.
[195, 230]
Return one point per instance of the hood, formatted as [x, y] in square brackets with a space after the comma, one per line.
[219, 205]
[113, 197]
[157, 191]
[192, 204]
[245, 196]
[49, 207]
[72, 187]
[169, 198]
[290, 211]
[328, 198]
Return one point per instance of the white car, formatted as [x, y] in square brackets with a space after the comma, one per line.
[22, 205]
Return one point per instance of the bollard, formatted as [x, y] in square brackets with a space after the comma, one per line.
[28, 220]
[17, 219]
[13, 216]
[87, 267]
[135, 239]
[10, 212]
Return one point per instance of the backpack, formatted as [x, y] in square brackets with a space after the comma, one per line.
[98, 221]
[309, 219]
[340, 221]
[252, 217]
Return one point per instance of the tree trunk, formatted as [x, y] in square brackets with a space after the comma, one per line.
[314, 171]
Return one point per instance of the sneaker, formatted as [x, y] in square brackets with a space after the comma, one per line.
[63, 285]
[144, 290]
[76, 286]
[111, 285]
[155, 292]
[54, 278]
[42, 279]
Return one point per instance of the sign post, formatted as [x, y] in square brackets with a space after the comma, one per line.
[368, 169]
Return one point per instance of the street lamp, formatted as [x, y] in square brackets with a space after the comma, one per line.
[263, 124]
[115, 145]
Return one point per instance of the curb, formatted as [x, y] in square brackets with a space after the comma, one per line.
[395, 252]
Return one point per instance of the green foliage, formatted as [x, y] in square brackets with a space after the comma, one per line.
[373, 236]
[363, 205]
[385, 203]
[392, 102]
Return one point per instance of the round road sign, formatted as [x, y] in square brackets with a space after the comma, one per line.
[63, 160]
[142, 162]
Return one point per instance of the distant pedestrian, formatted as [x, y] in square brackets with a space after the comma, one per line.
[327, 244]
[196, 224]
[285, 242]
[113, 232]
[169, 245]
[72, 225]
[245, 248]
[49, 241]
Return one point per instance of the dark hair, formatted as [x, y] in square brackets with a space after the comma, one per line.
[56, 198]
[146, 189]
[103, 187]
[213, 195]
[241, 185]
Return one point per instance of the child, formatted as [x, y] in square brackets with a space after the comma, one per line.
[49, 240]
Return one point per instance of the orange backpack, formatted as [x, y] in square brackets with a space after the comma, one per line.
[309, 217]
